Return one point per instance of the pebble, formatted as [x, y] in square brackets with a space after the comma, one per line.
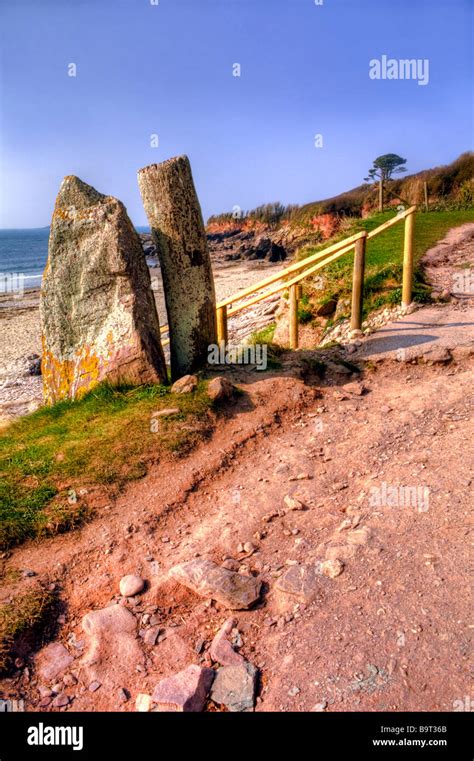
[293, 692]
[131, 585]
[94, 686]
[60, 701]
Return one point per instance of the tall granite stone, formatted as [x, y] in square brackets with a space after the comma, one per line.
[98, 313]
[175, 218]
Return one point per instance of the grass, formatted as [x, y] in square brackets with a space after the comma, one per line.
[384, 256]
[24, 616]
[107, 438]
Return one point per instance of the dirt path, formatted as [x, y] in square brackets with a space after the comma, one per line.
[380, 463]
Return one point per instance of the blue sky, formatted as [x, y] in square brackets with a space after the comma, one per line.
[166, 69]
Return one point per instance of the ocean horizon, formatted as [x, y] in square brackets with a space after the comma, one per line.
[23, 254]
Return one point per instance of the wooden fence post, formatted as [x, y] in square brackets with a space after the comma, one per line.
[294, 316]
[358, 284]
[408, 260]
[222, 336]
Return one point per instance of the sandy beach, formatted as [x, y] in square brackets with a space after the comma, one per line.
[20, 333]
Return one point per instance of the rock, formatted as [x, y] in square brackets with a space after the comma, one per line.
[293, 503]
[293, 692]
[52, 661]
[300, 582]
[319, 707]
[230, 589]
[61, 700]
[178, 232]
[220, 389]
[437, 356]
[131, 585]
[185, 385]
[44, 702]
[98, 313]
[185, 691]
[143, 702]
[221, 650]
[327, 308]
[355, 388]
[94, 686]
[123, 695]
[151, 635]
[332, 568]
[235, 686]
[113, 651]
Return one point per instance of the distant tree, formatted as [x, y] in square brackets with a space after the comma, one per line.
[383, 169]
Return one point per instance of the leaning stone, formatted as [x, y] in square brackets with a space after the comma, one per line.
[230, 589]
[52, 661]
[185, 691]
[220, 389]
[300, 582]
[177, 227]
[221, 650]
[98, 314]
[131, 585]
[235, 686]
[185, 385]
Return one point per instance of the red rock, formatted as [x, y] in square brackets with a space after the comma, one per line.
[221, 649]
[185, 691]
[230, 589]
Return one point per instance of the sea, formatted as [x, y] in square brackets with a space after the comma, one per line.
[23, 255]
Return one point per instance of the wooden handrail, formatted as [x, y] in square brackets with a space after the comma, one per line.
[303, 269]
[289, 270]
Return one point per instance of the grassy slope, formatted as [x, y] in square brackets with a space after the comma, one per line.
[384, 259]
[47, 457]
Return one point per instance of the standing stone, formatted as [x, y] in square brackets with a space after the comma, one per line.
[175, 218]
[98, 313]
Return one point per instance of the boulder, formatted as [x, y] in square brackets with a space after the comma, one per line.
[98, 313]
